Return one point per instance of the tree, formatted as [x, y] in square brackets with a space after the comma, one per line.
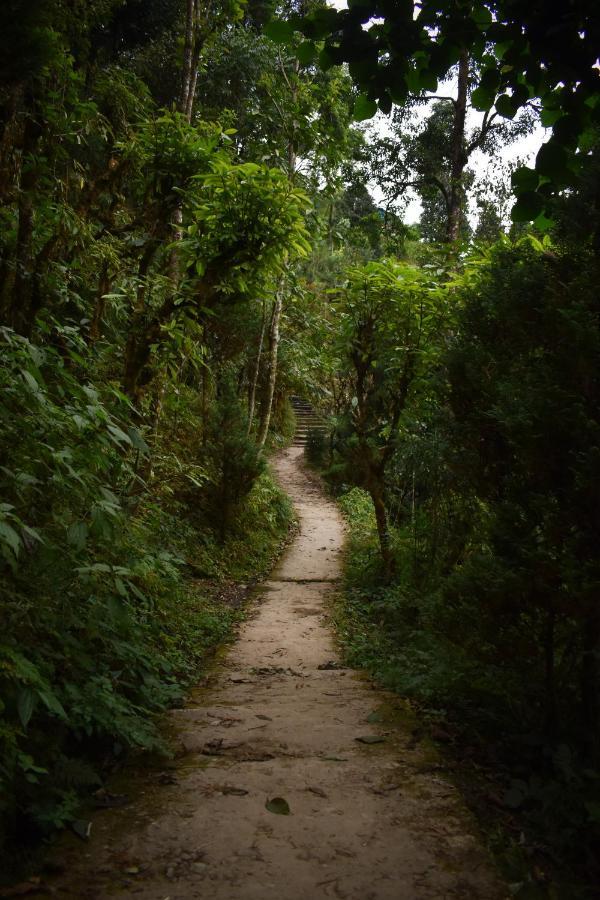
[389, 317]
[245, 222]
[431, 154]
[526, 407]
[489, 223]
[521, 54]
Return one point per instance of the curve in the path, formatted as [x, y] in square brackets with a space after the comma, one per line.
[367, 821]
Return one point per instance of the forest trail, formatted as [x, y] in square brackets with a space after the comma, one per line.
[280, 718]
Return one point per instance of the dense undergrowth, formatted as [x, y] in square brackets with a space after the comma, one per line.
[127, 565]
[464, 448]
[535, 801]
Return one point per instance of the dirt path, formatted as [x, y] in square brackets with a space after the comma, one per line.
[368, 821]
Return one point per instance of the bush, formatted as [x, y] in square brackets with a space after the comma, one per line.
[234, 459]
[102, 625]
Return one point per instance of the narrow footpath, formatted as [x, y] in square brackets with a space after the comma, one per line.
[297, 780]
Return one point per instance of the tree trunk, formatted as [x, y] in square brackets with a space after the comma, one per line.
[590, 684]
[23, 278]
[376, 493]
[204, 405]
[189, 75]
[458, 157]
[273, 348]
[550, 723]
[157, 404]
[188, 56]
[100, 305]
[189, 107]
[255, 374]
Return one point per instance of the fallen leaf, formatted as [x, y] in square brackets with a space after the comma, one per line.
[279, 806]
[318, 791]
[229, 789]
[82, 829]
[370, 739]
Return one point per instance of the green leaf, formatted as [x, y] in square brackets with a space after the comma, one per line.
[524, 179]
[279, 32]
[506, 106]
[31, 382]
[306, 53]
[137, 440]
[279, 806]
[413, 81]
[552, 160]
[427, 80]
[26, 701]
[482, 17]
[482, 99]
[77, 535]
[549, 116]
[528, 207]
[326, 60]
[364, 108]
[385, 104]
[118, 434]
[10, 537]
[567, 130]
[52, 703]
[543, 222]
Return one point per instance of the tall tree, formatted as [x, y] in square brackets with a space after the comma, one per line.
[431, 154]
[408, 45]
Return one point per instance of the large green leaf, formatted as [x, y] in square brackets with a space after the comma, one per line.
[364, 108]
[306, 53]
[528, 207]
[507, 106]
[10, 537]
[482, 99]
[552, 160]
[524, 179]
[280, 32]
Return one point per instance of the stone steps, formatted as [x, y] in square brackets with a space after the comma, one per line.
[306, 420]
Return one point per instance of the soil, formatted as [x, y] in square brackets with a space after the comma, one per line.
[295, 778]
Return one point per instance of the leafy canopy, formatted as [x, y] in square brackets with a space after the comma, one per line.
[523, 54]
